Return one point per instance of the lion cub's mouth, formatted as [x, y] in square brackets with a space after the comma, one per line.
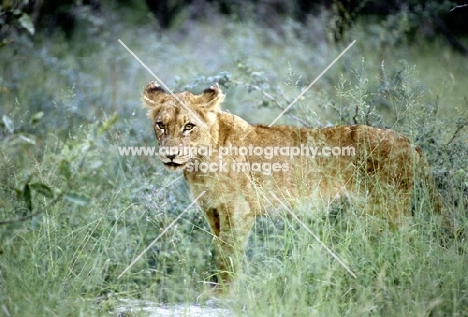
[174, 166]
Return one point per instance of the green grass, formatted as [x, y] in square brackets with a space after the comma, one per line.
[65, 261]
[398, 274]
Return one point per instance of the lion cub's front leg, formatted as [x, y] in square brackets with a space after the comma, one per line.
[231, 232]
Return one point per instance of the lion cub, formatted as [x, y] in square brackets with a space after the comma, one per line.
[239, 166]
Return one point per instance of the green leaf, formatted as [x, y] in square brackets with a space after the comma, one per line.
[27, 196]
[76, 198]
[106, 125]
[36, 118]
[65, 169]
[85, 148]
[264, 103]
[8, 123]
[19, 192]
[96, 165]
[42, 189]
[25, 138]
[26, 22]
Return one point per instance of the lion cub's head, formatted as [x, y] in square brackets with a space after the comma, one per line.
[182, 121]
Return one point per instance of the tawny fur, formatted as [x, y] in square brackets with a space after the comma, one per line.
[379, 176]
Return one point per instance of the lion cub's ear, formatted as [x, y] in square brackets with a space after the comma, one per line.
[211, 98]
[152, 94]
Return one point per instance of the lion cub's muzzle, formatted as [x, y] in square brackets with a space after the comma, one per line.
[174, 160]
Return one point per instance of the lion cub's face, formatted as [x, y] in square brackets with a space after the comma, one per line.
[182, 121]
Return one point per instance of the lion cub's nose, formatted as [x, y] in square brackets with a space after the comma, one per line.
[171, 157]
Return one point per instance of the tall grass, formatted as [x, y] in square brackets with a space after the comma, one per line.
[65, 261]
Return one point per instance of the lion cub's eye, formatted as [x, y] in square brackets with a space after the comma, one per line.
[189, 126]
[160, 125]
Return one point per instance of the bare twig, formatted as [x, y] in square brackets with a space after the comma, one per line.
[369, 112]
[270, 97]
[356, 113]
[457, 131]
[114, 86]
[458, 7]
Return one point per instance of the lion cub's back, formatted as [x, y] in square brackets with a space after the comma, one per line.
[354, 156]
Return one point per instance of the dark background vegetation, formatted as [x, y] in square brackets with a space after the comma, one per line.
[434, 15]
[74, 213]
